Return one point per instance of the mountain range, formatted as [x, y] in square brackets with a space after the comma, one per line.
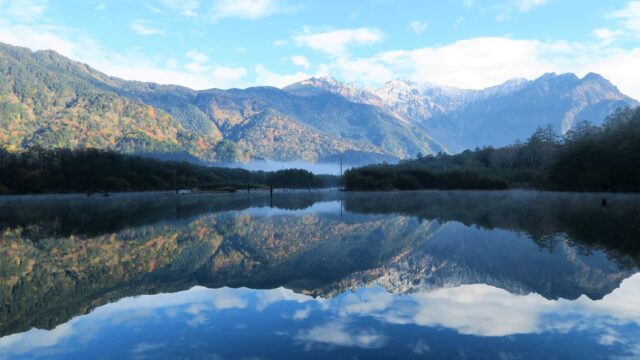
[50, 101]
[496, 116]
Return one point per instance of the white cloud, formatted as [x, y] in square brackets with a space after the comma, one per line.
[481, 62]
[417, 27]
[300, 60]
[42, 37]
[245, 9]
[335, 42]
[24, 10]
[197, 56]
[365, 303]
[268, 297]
[222, 76]
[202, 78]
[100, 7]
[336, 333]
[228, 77]
[607, 36]
[140, 27]
[505, 9]
[142, 350]
[474, 63]
[485, 310]
[227, 298]
[302, 314]
[362, 71]
[183, 7]
[25, 342]
[420, 347]
[479, 310]
[629, 18]
[266, 77]
[527, 5]
[171, 63]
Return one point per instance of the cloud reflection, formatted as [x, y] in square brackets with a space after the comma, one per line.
[27, 341]
[479, 310]
[336, 333]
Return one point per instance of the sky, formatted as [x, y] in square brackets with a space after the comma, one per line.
[239, 43]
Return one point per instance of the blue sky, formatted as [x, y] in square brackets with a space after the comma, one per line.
[239, 43]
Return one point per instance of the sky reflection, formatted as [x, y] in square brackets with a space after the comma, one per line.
[203, 322]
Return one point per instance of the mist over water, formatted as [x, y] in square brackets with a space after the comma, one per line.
[267, 165]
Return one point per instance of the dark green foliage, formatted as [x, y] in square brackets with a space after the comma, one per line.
[294, 179]
[40, 170]
[415, 177]
[226, 151]
[588, 158]
[600, 158]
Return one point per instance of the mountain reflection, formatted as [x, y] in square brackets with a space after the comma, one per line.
[60, 257]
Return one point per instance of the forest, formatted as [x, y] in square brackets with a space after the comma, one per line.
[39, 170]
[586, 158]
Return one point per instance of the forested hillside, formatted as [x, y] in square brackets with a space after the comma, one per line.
[43, 103]
[587, 158]
[50, 101]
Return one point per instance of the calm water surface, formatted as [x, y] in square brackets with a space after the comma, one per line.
[437, 275]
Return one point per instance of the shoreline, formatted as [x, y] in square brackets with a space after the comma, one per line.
[101, 195]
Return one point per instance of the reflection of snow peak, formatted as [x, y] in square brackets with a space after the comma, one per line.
[489, 311]
[453, 254]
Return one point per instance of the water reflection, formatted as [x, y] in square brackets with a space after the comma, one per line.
[444, 274]
[478, 320]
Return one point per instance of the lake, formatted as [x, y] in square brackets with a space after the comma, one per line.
[322, 275]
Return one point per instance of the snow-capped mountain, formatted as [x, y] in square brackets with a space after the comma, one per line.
[494, 116]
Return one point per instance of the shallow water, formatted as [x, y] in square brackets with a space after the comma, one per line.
[444, 275]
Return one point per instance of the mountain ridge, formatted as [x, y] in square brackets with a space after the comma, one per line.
[494, 116]
[206, 123]
[49, 100]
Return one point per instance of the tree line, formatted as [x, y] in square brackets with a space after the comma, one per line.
[586, 158]
[40, 170]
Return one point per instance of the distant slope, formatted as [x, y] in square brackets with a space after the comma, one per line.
[496, 116]
[44, 102]
[323, 124]
[559, 100]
